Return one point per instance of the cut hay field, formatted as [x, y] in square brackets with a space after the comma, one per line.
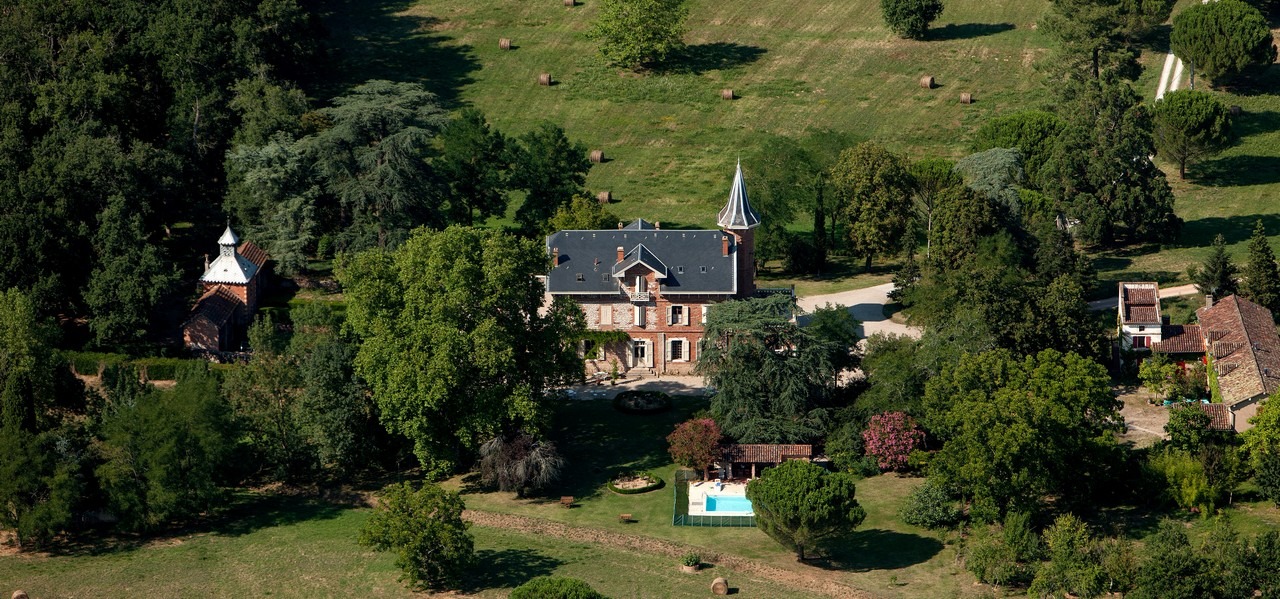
[670, 139]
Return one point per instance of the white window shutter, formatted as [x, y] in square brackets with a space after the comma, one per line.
[669, 310]
[705, 308]
[684, 315]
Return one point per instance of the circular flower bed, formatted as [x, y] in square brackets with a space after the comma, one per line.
[631, 484]
[642, 402]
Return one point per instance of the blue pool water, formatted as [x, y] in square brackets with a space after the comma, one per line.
[729, 503]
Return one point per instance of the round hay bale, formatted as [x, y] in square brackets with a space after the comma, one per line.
[20, 594]
[504, 43]
[720, 586]
[597, 156]
[570, 2]
[604, 197]
[966, 98]
[1235, 110]
[726, 94]
[926, 82]
[544, 79]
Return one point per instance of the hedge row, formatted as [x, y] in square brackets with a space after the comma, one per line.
[153, 369]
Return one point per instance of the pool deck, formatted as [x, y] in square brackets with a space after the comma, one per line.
[698, 491]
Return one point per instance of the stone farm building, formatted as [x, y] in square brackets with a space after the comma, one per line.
[1234, 336]
[230, 287]
[655, 285]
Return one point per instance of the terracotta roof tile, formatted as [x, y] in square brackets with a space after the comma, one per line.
[1246, 350]
[762, 453]
[1140, 302]
[1219, 415]
[254, 253]
[217, 304]
[1179, 339]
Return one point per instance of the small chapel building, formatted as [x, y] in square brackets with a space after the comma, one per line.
[230, 287]
[656, 286]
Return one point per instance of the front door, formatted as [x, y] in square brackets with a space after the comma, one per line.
[640, 353]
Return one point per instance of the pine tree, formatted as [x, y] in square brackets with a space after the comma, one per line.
[1261, 280]
[1217, 276]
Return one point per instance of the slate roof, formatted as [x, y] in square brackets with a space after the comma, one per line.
[737, 212]
[1219, 416]
[253, 253]
[693, 261]
[1139, 303]
[1179, 339]
[1245, 348]
[761, 453]
[217, 305]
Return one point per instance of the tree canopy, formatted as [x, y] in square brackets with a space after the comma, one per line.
[425, 530]
[640, 33]
[1222, 39]
[910, 18]
[802, 506]
[1260, 279]
[872, 189]
[1217, 276]
[1189, 125]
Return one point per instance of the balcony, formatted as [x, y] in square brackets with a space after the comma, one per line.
[639, 296]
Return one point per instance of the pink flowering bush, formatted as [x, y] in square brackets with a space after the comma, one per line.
[890, 439]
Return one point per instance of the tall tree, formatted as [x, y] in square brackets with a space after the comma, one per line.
[454, 341]
[131, 276]
[474, 163]
[769, 373]
[264, 393]
[374, 159]
[910, 18]
[425, 529]
[1033, 132]
[1260, 280]
[931, 178]
[996, 173]
[273, 192]
[1222, 39]
[696, 444]
[581, 213]
[802, 506]
[1188, 125]
[1090, 36]
[1217, 276]
[551, 170]
[640, 33]
[873, 191]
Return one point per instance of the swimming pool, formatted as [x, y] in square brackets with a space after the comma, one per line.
[732, 504]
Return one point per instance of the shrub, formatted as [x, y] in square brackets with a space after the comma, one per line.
[555, 587]
[910, 18]
[890, 438]
[642, 402]
[691, 559]
[930, 506]
[160, 369]
[424, 528]
[695, 444]
[520, 463]
[1268, 476]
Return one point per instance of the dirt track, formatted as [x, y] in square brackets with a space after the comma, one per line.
[818, 583]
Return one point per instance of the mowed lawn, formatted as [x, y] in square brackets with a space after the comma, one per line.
[670, 139]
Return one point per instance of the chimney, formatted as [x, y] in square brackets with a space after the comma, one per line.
[1208, 300]
[206, 261]
[657, 225]
[621, 253]
[724, 244]
[619, 225]
[555, 257]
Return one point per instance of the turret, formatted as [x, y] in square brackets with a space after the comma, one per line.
[739, 219]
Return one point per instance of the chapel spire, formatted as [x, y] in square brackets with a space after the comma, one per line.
[737, 213]
[227, 243]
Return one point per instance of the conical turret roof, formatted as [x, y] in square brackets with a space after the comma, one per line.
[737, 213]
[228, 237]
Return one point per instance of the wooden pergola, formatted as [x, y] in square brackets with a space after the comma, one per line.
[758, 456]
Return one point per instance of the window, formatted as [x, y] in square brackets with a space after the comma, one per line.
[705, 308]
[679, 270]
[639, 350]
[581, 278]
[1141, 328]
[639, 315]
[677, 315]
[589, 349]
[1140, 342]
[704, 269]
[676, 353]
[606, 314]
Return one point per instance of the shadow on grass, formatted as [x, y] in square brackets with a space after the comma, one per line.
[952, 31]
[380, 39]
[507, 568]
[1234, 229]
[879, 549]
[715, 56]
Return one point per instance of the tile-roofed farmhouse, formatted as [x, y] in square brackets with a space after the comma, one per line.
[746, 460]
[1179, 339]
[655, 286]
[1220, 416]
[1245, 348]
[1139, 316]
[235, 277]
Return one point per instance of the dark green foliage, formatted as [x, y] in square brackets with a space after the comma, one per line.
[1004, 554]
[1217, 276]
[1011, 426]
[1223, 39]
[1097, 37]
[802, 506]
[930, 506]
[962, 217]
[473, 161]
[640, 33]
[785, 179]
[266, 107]
[1223, 566]
[425, 529]
[1189, 125]
[1188, 426]
[770, 375]
[910, 18]
[1260, 280]
[1170, 567]
[519, 463]
[996, 173]
[555, 587]
[130, 278]
[1032, 132]
[834, 325]
[1074, 565]
[896, 378]
[163, 455]
[581, 213]
[931, 178]
[1100, 170]
[1268, 476]
[847, 450]
[872, 191]
[551, 170]
[335, 413]
[454, 344]
[273, 193]
[264, 394]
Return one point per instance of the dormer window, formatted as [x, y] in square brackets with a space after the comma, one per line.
[704, 269]
[580, 277]
[679, 270]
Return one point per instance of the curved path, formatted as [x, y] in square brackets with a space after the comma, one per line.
[818, 583]
[867, 305]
